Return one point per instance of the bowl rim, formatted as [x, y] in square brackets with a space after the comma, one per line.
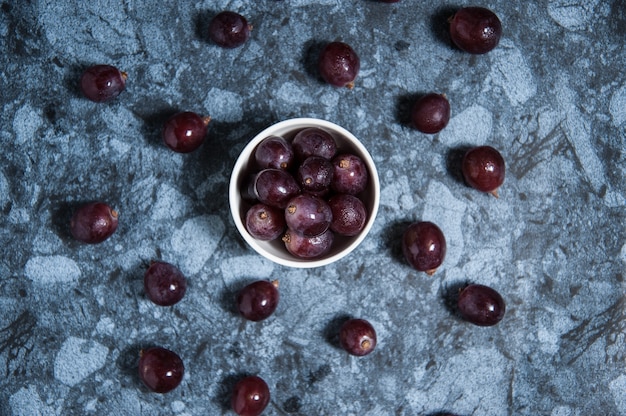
[235, 199]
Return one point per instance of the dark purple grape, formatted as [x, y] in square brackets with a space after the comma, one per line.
[265, 222]
[274, 152]
[308, 247]
[258, 300]
[431, 113]
[315, 175]
[229, 29]
[102, 83]
[250, 397]
[164, 284]
[185, 132]
[475, 30]
[160, 369]
[308, 215]
[314, 141]
[93, 222]
[481, 305]
[349, 214]
[339, 65]
[357, 337]
[424, 246]
[349, 174]
[483, 169]
[274, 187]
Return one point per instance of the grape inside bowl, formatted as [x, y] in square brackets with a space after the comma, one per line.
[246, 166]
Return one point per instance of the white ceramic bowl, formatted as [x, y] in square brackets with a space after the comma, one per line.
[245, 166]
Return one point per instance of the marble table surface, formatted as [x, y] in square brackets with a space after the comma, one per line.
[551, 97]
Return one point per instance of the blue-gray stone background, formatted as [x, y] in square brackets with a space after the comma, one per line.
[551, 97]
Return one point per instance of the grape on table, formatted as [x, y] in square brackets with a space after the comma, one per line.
[102, 83]
[250, 396]
[93, 222]
[160, 369]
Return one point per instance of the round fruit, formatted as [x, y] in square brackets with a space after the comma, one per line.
[357, 337]
[258, 300]
[315, 175]
[314, 141]
[308, 215]
[431, 113]
[483, 169]
[160, 369]
[185, 132]
[481, 305]
[102, 83]
[349, 214]
[475, 30]
[229, 29]
[274, 187]
[265, 222]
[339, 64]
[93, 223]
[349, 174]
[250, 397]
[308, 247]
[424, 246]
[274, 152]
[164, 284]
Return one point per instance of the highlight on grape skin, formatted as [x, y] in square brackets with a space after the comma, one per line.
[229, 29]
[476, 30]
[185, 132]
[484, 169]
[250, 396]
[339, 64]
[102, 83]
[164, 283]
[424, 246]
[94, 222]
[160, 369]
[481, 305]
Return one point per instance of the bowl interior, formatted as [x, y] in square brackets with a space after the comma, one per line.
[245, 166]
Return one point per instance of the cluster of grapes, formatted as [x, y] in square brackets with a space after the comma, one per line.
[307, 188]
[291, 198]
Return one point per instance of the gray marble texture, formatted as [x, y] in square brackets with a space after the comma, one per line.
[551, 96]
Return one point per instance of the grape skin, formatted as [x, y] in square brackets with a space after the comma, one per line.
[274, 152]
[102, 83]
[229, 29]
[357, 337]
[481, 305]
[349, 214]
[308, 215]
[339, 64]
[258, 300]
[250, 396]
[164, 283]
[308, 247]
[424, 246]
[315, 175]
[483, 169]
[350, 174]
[160, 369]
[314, 141]
[476, 30]
[265, 222]
[93, 223]
[431, 113]
[275, 187]
[185, 132]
